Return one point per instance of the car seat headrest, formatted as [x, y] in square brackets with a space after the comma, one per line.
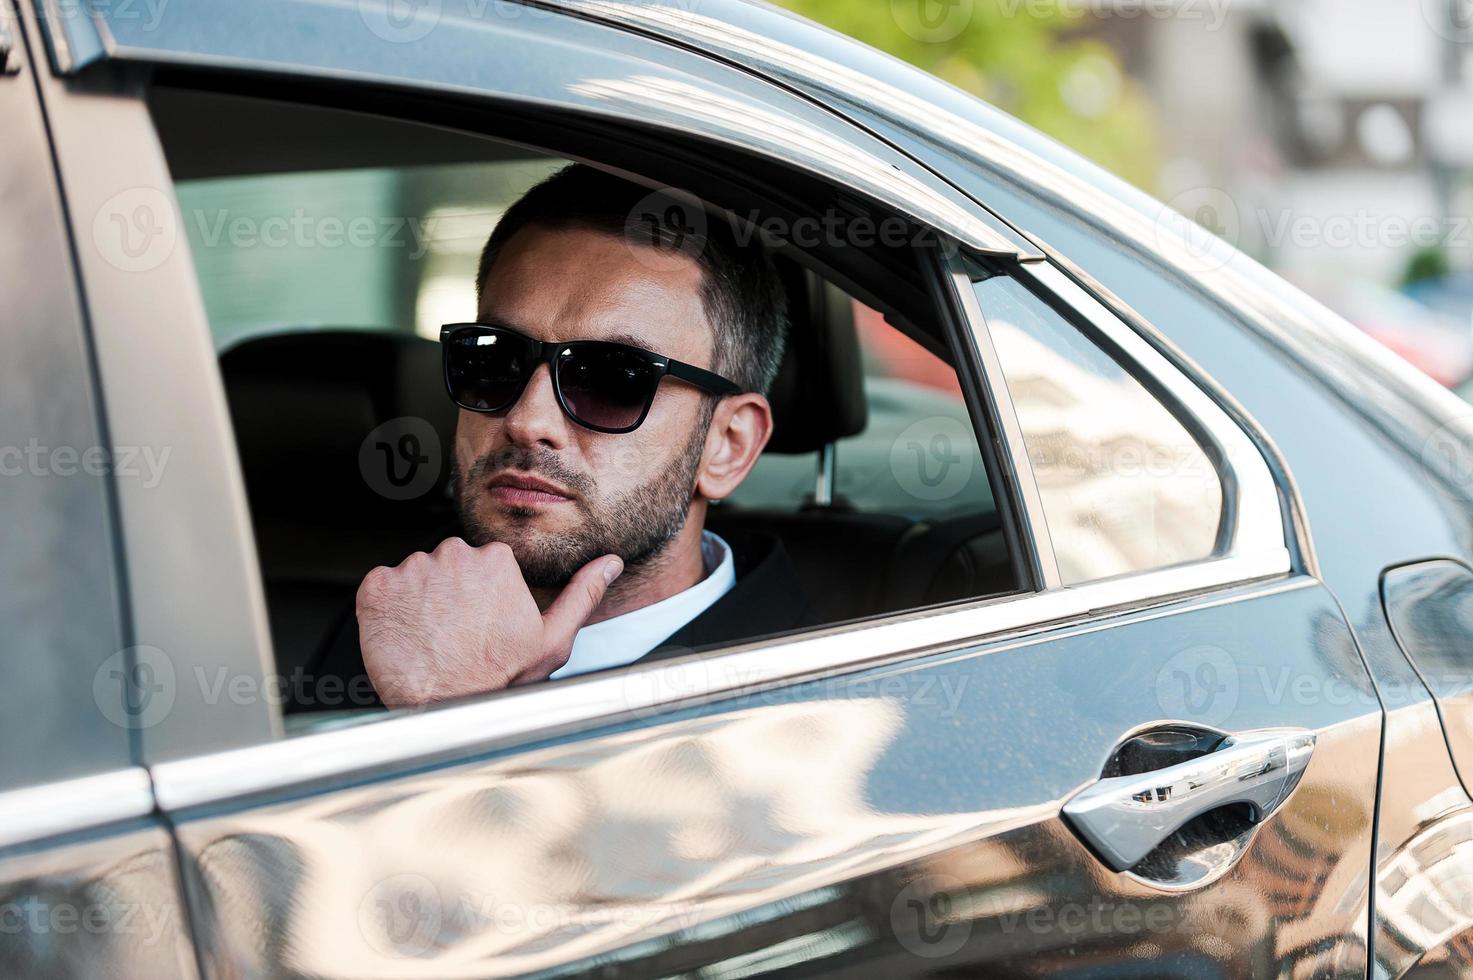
[818, 395]
[304, 406]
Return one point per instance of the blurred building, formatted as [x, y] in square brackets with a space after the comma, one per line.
[1336, 130]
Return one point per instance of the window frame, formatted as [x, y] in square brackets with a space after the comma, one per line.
[506, 719]
[1251, 524]
[190, 557]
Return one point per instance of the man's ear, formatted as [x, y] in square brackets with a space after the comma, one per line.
[740, 428]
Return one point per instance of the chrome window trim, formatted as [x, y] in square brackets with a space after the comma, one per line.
[405, 739]
[51, 809]
[1252, 518]
[1296, 525]
[422, 737]
[1256, 550]
[1251, 504]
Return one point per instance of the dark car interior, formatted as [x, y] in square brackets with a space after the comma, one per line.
[300, 417]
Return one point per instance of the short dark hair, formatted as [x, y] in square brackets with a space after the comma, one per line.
[742, 296]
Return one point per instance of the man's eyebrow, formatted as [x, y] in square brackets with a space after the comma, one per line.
[499, 321]
[617, 337]
[624, 338]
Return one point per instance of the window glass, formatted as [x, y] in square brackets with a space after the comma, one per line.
[1124, 485]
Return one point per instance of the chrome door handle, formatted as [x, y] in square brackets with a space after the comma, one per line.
[1126, 817]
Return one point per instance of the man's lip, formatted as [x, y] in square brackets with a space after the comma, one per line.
[518, 482]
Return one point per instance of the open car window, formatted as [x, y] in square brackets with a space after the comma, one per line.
[327, 272]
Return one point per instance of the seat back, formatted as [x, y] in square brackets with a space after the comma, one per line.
[334, 488]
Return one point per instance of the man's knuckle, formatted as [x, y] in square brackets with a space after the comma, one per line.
[374, 583]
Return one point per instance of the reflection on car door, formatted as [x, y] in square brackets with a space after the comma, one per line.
[904, 820]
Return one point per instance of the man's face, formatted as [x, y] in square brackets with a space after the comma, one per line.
[559, 494]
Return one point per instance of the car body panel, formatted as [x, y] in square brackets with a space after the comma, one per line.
[194, 610]
[1427, 886]
[1348, 425]
[1344, 468]
[89, 883]
[903, 819]
[1430, 607]
[106, 903]
[53, 470]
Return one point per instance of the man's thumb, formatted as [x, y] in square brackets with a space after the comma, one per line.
[584, 591]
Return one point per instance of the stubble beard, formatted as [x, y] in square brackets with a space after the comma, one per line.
[636, 526]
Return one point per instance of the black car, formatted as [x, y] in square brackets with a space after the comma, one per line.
[1144, 580]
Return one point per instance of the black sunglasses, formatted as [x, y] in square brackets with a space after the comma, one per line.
[601, 385]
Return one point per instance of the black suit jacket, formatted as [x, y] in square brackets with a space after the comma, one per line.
[767, 598]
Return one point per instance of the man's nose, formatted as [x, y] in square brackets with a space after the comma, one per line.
[536, 418]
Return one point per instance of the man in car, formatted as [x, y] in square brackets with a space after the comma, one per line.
[612, 387]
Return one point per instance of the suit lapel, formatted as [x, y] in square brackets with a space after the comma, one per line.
[767, 598]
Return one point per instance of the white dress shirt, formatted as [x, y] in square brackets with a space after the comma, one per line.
[624, 639]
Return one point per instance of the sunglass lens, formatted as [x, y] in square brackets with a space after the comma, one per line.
[486, 370]
[607, 387]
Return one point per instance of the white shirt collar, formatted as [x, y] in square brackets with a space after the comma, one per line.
[624, 639]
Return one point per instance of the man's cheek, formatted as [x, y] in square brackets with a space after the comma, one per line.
[629, 463]
[475, 436]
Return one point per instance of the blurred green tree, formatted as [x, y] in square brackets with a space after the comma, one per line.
[1030, 58]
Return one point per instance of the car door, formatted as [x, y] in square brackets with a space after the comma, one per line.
[907, 797]
[89, 882]
[1157, 760]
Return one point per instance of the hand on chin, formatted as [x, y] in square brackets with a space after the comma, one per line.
[462, 620]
